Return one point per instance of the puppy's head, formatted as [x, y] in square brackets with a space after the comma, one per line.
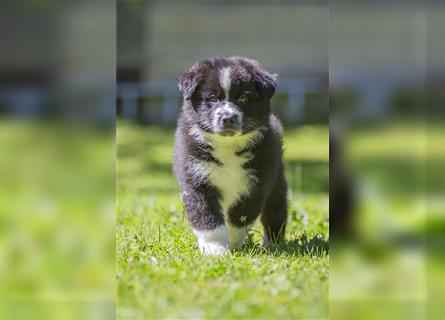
[227, 96]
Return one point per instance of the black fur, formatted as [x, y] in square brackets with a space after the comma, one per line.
[200, 198]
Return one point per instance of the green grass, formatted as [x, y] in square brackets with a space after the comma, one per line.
[161, 273]
[57, 187]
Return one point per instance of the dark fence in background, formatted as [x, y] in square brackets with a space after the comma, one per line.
[158, 102]
[298, 100]
[88, 104]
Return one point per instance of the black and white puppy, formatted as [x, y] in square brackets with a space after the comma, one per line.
[228, 153]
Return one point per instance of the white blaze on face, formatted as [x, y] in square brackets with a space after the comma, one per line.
[224, 80]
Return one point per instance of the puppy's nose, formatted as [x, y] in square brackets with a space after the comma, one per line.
[229, 119]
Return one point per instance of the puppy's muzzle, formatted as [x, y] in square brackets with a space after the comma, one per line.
[227, 121]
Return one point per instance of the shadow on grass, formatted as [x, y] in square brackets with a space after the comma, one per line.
[316, 246]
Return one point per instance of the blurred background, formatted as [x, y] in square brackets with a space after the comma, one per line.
[158, 41]
[387, 208]
[57, 162]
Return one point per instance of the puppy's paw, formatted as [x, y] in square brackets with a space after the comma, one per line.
[213, 242]
[213, 248]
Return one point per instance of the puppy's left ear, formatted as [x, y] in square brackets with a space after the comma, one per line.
[188, 82]
[267, 82]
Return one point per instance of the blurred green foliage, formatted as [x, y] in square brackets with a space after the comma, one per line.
[56, 221]
[394, 267]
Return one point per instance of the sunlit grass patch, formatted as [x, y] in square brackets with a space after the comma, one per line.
[161, 273]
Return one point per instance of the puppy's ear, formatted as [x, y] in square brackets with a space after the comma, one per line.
[188, 82]
[266, 82]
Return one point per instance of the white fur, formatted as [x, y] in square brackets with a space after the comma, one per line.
[197, 133]
[225, 108]
[224, 80]
[231, 178]
[218, 241]
[213, 242]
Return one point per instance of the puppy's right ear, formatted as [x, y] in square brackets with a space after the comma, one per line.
[188, 82]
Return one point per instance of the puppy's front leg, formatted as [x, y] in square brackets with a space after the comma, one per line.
[203, 211]
[274, 216]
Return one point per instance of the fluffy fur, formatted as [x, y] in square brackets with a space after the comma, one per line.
[228, 153]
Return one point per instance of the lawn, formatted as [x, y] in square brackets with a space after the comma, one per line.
[160, 271]
[57, 187]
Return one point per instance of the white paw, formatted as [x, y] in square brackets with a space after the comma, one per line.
[213, 242]
[213, 249]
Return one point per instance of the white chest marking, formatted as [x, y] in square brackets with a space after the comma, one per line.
[231, 178]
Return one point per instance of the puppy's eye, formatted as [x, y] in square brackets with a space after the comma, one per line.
[213, 98]
[243, 98]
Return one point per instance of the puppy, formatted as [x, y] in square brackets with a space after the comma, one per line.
[228, 153]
